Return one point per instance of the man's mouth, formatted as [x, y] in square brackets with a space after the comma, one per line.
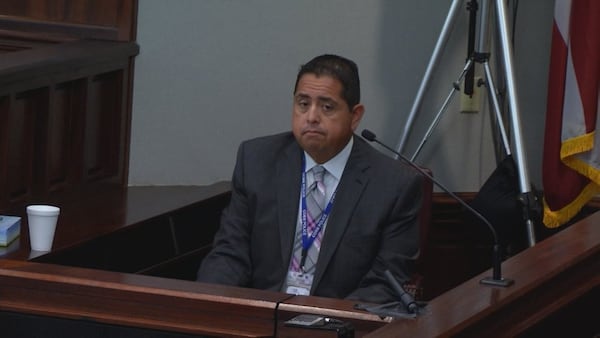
[313, 132]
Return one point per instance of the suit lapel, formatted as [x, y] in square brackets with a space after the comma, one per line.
[287, 180]
[349, 191]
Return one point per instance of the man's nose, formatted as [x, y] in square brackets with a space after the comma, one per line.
[313, 114]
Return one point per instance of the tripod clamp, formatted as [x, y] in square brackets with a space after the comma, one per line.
[480, 57]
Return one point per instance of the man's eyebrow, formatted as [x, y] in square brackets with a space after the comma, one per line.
[326, 99]
[301, 96]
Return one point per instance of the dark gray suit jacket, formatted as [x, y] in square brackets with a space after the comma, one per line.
[372, 226]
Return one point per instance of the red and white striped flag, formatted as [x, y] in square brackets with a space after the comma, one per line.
[571, 165]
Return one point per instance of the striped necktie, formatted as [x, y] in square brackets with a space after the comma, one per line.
[315, 203]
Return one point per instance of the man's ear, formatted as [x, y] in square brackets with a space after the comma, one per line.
[357, 113]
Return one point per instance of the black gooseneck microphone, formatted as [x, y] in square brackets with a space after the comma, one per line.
[405, 298]
[496, 278]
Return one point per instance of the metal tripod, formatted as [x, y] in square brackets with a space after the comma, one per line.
[526, 197]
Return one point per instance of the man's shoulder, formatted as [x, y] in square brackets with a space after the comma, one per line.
[385, 166]
[374, 156]
[284, 137]
[271, 144]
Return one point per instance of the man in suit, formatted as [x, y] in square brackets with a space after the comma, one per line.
[271, 235]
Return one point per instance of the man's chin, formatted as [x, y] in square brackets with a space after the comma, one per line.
[311, 146]
[312, 141]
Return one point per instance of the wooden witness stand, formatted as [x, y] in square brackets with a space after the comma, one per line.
[564, 269]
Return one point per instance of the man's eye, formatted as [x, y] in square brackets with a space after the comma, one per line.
[327, 107]
[302, 104]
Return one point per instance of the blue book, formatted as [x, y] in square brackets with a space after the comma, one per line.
[10, 229]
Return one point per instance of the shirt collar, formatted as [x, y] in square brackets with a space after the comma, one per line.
[336, 165]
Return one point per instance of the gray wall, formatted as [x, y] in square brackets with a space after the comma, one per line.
[212, 73]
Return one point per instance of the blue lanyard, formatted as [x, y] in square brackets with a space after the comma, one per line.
[307, 240]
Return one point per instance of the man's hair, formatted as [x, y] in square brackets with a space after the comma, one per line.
[339, 68]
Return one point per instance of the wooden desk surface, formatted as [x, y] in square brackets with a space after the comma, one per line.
[89, 215]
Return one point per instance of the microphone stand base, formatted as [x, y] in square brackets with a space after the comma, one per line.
[503, 282]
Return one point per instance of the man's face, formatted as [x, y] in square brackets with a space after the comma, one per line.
[322, 122]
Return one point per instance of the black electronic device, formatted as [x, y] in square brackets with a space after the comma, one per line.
[319, 322]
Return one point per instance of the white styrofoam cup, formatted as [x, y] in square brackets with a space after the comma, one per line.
[42, 221]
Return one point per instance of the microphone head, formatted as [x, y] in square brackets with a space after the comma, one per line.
[368, 135]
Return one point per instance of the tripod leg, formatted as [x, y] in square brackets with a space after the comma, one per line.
[527, 197]
[437, 51]
[492, 95]
[436, 120]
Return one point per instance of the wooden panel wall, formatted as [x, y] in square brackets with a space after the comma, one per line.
[65, 96]
[67, 126]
